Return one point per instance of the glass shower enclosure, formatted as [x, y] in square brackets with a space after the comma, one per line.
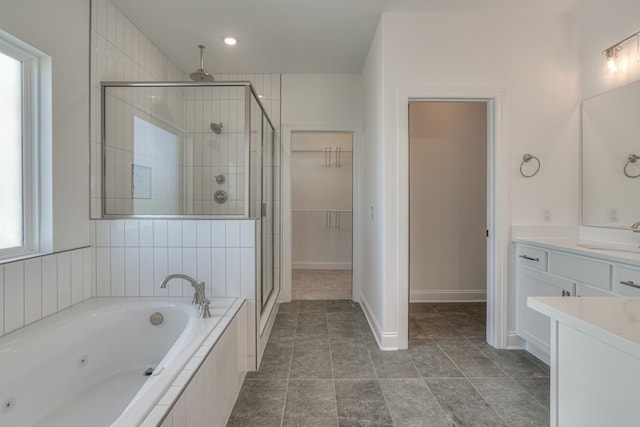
[200, 150]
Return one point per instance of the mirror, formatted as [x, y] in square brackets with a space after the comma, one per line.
[610, 172]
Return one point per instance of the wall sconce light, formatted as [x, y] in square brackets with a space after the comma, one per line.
[612, 56]
[613, 62]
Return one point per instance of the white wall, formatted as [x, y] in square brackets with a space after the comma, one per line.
[370, 201]
[61, 29]
[315, 102]
[534, 59]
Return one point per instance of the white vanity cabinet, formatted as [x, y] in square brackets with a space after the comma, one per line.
[534, 281]
[546, 272]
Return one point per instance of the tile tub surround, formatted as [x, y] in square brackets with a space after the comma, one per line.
[134, 255]
[322, 366]
[38, 287]
[204, 392]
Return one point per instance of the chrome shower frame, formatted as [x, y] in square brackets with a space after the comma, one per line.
[249, 92]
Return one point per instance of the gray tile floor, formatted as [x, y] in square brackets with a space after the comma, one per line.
[322, 367]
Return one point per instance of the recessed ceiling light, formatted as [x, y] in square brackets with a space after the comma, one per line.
[230, 41]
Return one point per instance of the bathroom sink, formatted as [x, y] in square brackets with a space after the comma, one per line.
[610, 247]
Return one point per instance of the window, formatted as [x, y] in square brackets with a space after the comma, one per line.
[20, 67]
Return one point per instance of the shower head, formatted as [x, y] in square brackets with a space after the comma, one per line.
[201, 75]
[216, 128]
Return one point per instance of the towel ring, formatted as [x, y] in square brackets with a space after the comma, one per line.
[632, 158]
[526, 159]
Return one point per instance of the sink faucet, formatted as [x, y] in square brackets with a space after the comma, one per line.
[199, 297]
[636, 227]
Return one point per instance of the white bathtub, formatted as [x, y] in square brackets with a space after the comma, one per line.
[84, 366]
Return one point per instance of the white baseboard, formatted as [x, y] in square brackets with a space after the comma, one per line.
[447, 295]
[514, 342]
[320, 265]
[386, 340]
[546, 358]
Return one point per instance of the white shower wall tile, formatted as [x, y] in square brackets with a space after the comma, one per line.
[131, 233]
[247, 273]
[40, 286]
[160, 264]
[204, 268]
[175, 264]
[160, 233]
[132, 272]
[189, 233]
[145, 229]
[220, 253]
[174, 234]
[49, 285]
[32, 290]
[14, 291]
[77, 276]
[232, 230]
[103, 271]
[146, 270]
[247, 234]
[233, 284]
[64, 280]
[203, 234]
[218, 234]
[219, 272]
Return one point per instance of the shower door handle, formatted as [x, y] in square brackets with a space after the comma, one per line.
[264, 209]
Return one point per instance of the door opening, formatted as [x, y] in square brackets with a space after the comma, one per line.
[322, 219]
[448, 211]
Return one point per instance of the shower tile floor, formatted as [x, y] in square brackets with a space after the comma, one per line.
[322, 367]
[320, 284]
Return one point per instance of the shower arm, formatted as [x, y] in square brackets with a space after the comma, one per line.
[201, 56]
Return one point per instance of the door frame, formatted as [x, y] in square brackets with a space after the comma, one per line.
[497, 206]
[286, 206]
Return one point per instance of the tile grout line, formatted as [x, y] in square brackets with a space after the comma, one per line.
[463, 376]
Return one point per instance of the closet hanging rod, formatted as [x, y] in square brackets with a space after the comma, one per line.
[316, 150]
[320, 211]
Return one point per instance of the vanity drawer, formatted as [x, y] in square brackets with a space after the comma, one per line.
[595, 273]
[532, 257]
[627, 281]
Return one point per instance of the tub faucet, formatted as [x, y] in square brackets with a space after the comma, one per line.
[199, 297]
[636, 227]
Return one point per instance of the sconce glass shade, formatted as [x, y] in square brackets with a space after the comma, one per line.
[611, 59]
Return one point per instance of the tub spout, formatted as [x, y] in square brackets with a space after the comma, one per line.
[199, 297]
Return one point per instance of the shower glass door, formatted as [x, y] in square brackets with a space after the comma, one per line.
[268, 222]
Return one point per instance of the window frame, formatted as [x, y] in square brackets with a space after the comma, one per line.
[30, 59]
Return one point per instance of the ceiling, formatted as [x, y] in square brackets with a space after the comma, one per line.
[287, 36]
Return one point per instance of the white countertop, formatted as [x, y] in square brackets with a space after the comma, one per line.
[613, 321]
[602, 250]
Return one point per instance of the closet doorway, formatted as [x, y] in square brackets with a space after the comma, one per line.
[448, 142]
[322, 218]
